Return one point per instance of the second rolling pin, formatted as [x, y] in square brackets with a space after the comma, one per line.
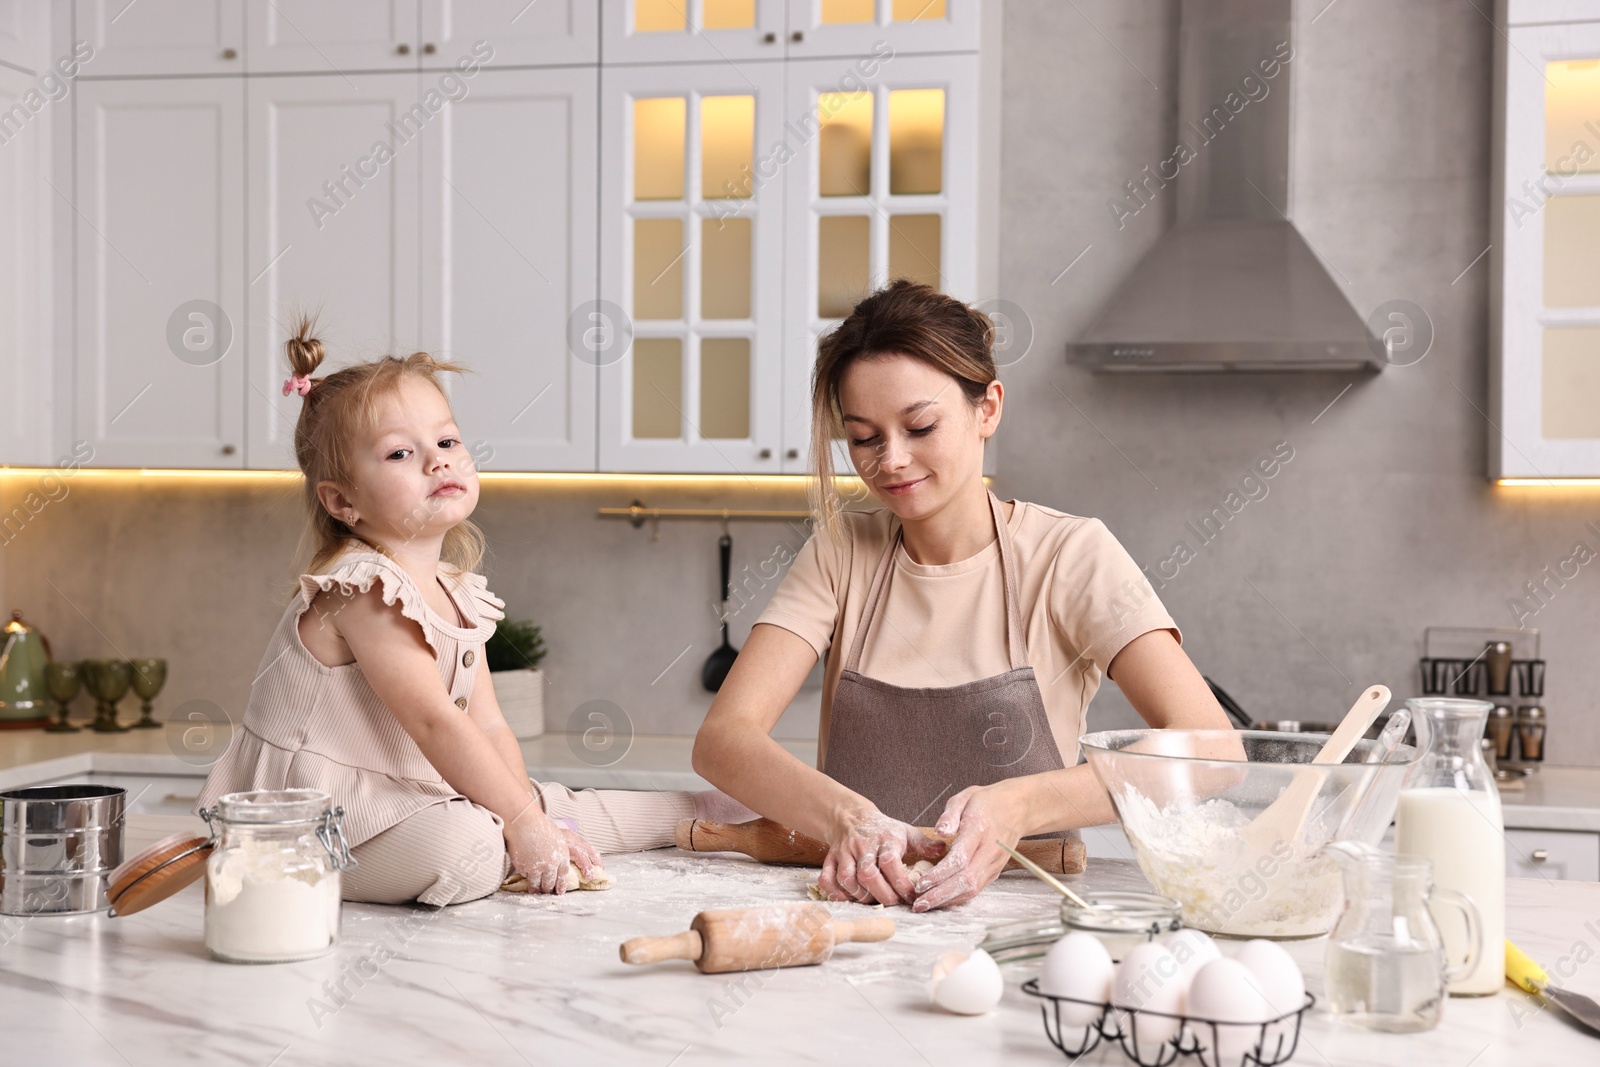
[747, 939]
[772, 842]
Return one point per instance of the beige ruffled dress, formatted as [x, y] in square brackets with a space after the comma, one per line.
[310, 726]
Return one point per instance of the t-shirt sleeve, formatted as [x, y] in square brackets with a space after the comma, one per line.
[807, 600]
[1099, 597]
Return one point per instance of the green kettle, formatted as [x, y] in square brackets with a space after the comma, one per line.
[24, 701]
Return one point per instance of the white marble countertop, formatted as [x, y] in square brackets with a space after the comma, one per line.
[519, 979]
[1553, 798]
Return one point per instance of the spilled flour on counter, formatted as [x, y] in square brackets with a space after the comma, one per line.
[1199, 857]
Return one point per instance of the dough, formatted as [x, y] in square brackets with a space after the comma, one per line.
[575, 880]
[916, 871]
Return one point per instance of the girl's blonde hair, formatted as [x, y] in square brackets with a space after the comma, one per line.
[337, 411]
[904, 318]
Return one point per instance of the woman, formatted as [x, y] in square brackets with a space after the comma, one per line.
[964, 636]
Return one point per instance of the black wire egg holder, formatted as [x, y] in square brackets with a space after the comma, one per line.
[1186, 1043]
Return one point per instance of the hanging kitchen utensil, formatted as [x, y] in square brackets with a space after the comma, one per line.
[720, 662]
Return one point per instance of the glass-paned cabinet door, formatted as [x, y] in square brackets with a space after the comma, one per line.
[885, 187]
[691, 253]
[691, 31]
[867, 27]
[1548, 344]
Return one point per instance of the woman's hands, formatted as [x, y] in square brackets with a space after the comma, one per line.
[975, 818]
[866, 857]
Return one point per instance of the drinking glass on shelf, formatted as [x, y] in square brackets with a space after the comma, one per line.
[63, 680]
[108, 680]
[149, 675]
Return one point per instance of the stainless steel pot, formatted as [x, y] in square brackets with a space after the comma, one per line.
[58, 847]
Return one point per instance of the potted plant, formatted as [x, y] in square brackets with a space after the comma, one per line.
[513, 654]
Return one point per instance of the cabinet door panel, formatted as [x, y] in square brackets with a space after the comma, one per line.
[860, 27]
[319, 37]
[886, 189]
[678, 31]
[159, 254]
[546, 33]
[509, 258]
[1563, 854]
[23, 33]
[690, 235]
[334, 169]
[161, 36]
[25, 379]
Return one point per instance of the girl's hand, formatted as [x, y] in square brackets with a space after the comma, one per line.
[978, 816]
[865, 857]
[585, 855]
[540, 850]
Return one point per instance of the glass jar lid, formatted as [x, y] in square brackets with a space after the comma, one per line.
[262, 807]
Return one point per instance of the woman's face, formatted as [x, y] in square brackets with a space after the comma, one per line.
[914, 437]
[414, 479]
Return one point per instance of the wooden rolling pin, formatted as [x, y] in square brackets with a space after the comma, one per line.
[772, 842]
[745, 939]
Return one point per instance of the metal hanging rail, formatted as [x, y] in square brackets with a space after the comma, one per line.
[637, 514]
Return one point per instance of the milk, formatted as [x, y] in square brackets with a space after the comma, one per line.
[1463, 835]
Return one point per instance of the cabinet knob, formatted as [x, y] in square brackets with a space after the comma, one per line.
[429, 49]
[769, 38]
[797, 36]
[403, 49]
[765, 453]
[230, 53]
[228, 450]
[1539, 855]
[793, 453]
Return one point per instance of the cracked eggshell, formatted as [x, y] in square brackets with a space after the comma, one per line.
[966, 983]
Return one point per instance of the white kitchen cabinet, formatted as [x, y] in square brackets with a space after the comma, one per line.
[1545, 289]
[160, 264]
[333, 204]
[1563, 854]
[23, 31]
[161, 37]
[508, 257]
[319, 37]
[522, 34]
[861, 27]
[886, 189]
[691, 232]
[692, 31]
[25, 378]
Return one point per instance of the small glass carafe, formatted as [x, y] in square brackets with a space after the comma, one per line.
[1386, 967]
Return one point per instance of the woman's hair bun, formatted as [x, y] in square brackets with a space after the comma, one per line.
[305, 351]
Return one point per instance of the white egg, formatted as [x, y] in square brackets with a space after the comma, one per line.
[966, 984]
[1226, 991]
[1193, 950]
[1280, 977]
[1147, 981]
[1077, 966]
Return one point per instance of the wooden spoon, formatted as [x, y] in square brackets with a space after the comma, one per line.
[1283, 818]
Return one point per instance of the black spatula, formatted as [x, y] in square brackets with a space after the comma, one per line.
[720, 662]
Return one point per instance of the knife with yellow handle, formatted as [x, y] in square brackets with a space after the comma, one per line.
[1528, 975]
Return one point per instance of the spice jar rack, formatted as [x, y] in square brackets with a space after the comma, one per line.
[1500, 665]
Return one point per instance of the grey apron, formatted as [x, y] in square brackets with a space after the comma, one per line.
[909, 750]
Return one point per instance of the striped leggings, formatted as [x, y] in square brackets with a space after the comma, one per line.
[453, 851]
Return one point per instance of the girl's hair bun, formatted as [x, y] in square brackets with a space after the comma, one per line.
[305, 351]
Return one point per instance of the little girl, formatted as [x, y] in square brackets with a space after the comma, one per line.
[374, 687]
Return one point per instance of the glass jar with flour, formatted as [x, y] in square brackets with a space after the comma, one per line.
[273, 876]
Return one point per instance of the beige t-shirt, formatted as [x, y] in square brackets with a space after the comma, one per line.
[1083, 599]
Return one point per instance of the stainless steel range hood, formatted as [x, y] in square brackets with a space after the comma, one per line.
[1232, 285]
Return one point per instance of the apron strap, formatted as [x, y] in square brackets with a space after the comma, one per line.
[1016, 640]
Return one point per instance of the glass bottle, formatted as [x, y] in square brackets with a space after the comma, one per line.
[1449, 813]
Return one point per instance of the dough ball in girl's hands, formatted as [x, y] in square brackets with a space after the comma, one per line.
[516, 883]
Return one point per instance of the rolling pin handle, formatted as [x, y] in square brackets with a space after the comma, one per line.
[683, 834]
[684, 946]
[877, 929]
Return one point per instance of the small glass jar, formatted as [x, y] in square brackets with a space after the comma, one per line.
[1119, 920]
[272, 880]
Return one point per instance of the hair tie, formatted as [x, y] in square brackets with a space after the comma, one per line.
[297, 383]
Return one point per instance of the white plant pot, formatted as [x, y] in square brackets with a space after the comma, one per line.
[520, 694]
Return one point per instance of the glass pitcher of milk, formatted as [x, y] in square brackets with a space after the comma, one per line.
[1449, 813]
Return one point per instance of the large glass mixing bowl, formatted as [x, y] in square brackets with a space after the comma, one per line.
[1188, 801]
